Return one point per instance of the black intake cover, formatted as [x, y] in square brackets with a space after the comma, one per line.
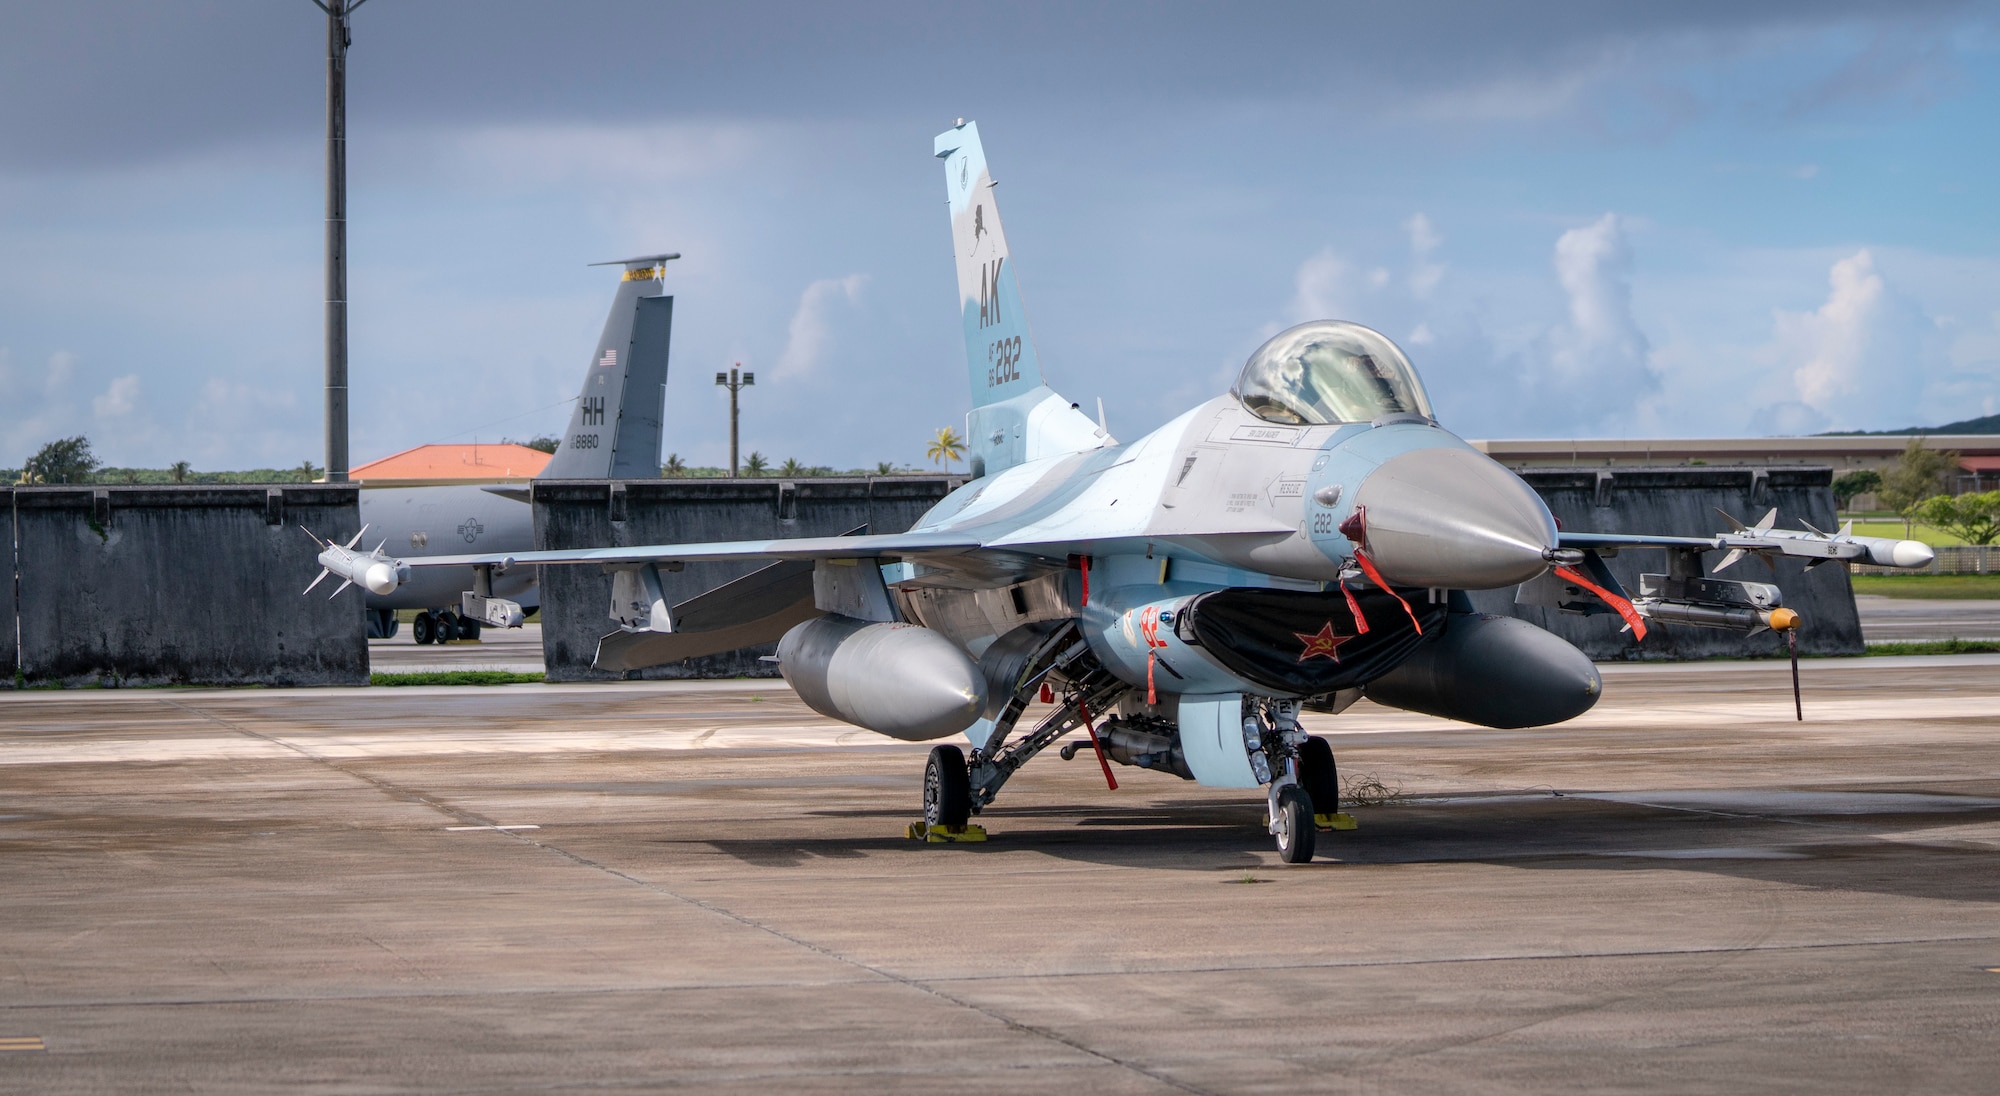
[1266, 636]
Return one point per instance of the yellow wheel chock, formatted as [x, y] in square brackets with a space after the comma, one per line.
[1326, 822]
[945, 835]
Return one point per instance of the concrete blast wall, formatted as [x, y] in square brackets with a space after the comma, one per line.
[180, 585]
[1682, 502]
[601, 513]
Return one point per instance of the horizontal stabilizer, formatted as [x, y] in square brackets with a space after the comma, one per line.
[758, 608]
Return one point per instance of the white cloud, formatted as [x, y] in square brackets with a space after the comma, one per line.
[1319, 289]
[62, 366]
[810, 332]
[1598, 364]
[1425, 271]
[118, 400]
[1834, 339]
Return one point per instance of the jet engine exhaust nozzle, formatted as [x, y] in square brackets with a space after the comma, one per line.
[1456, 519]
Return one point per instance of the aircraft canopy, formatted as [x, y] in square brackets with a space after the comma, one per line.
[1328, 371]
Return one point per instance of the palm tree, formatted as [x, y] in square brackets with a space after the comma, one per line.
[180, 471]
[946, 447]
[756, 465]
[792, 469]
[675, 466]
[309, 471]
[885, 468]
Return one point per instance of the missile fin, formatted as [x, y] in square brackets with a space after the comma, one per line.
[1731, 519]
[364, 530]
[1824, 535]
[344, 585]
[1734, 555]
[1770, 519]
[323, 572]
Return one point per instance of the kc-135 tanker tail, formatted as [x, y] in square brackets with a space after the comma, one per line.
[614, 430]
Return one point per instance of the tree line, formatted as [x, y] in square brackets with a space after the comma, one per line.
[1916, 488]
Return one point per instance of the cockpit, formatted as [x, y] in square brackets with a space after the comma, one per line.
[1328, 371]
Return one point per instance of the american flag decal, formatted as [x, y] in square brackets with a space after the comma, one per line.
[609, 360]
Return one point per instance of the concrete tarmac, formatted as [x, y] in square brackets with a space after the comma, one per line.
[1886, 619]
[515, 650]
[333, 891]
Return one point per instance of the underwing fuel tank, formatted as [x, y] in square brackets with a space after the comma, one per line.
[1494, 671]
[900, 680]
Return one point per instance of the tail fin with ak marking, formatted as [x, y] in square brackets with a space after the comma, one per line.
[1015, 416]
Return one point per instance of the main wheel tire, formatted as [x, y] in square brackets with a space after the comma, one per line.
[423, 629]
[1319, 776]
[447, 628]
[947, 788]
[468, 629]
[1294, 822]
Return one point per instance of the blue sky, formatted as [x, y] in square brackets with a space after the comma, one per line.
[1578, 219]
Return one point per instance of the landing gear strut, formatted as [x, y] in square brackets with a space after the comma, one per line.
[1304, 793]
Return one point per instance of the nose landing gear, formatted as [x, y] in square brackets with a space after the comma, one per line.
[1304, 781]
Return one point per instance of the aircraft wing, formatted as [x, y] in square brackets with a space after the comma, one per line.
[1809, 544]
[801, 548]
[1635, 540]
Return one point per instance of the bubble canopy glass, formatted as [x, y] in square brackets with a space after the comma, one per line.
[1329, 371]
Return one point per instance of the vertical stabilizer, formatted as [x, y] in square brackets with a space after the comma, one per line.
[614, 430]
[1015, 416]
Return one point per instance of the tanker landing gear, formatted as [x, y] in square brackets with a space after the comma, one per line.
[442, 626]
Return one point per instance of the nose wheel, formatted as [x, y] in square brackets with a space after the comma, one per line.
[1292, 825]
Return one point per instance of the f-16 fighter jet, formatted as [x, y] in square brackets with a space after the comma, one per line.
[1296, 543]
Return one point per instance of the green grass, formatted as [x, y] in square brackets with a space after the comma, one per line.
[1936, 647]
[1953, 587]
[456, 677]
[1893, 529]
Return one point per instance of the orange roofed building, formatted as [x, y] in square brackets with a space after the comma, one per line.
[503, 463]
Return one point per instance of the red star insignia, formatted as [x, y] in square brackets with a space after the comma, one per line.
[1323, 644]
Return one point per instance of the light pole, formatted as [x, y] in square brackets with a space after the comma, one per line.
[735, 381]
[337, 40]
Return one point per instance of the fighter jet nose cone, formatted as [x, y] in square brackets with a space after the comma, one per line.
[1454, 518]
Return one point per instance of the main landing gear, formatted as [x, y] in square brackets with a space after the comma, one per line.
[1298, 770]
[442, 626]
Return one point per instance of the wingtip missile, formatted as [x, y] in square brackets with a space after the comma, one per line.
[377, 571]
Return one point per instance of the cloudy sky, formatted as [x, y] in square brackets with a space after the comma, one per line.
[1580, 219]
